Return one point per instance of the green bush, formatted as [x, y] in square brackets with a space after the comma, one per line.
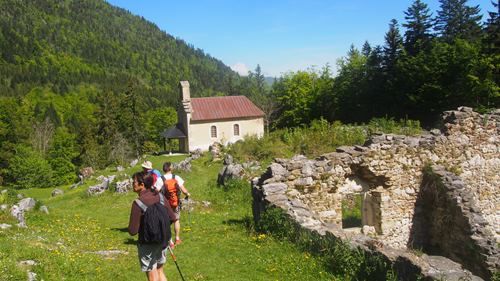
[259, 149]
[29, 169]
[318, 138]
[390, 126]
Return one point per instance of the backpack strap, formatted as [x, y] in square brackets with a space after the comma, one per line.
[141, 205]
[176, 183]
[162, 199]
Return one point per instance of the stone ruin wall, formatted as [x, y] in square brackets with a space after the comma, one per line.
[388, 172]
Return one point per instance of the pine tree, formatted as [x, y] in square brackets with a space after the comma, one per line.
[418, 25]
[393, 45]
[492, 29]
[366, 49]
[260, 80]
[457, 20]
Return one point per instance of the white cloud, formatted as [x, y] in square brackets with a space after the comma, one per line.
[241, 68]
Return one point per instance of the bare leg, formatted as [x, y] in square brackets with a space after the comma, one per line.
[152, 275]
[161, 274]
[177, 228]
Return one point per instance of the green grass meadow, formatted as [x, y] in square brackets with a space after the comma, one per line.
[219, 242]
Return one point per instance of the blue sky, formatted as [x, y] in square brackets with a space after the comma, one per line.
[280, 35]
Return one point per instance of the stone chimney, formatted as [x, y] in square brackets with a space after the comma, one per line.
[185, 96]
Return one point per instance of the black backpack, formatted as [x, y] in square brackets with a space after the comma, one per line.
[155, 223]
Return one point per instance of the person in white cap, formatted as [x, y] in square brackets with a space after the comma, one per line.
[147, 166]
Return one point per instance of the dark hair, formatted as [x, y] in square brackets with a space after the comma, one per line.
[144, 178]
[167, 166]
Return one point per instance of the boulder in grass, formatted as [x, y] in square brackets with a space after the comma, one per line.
[27, 204]
[196, 154]
[31, 276]
[184, 165]
[232, 171]
[57, 192]
[97, 189]
[5, 226]
[18, 213]
[28, 263]
[124, 186]
[44, 209]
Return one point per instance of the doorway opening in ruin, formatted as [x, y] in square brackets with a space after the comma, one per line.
[352, 210]
[360, 206]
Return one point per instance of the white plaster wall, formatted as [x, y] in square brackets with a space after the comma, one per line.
[200, 137]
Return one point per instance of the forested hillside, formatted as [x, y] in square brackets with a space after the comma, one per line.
[65, 43]
[83, 83]
[86, 83]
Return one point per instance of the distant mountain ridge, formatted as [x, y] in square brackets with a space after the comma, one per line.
[69, 42]
[270, 80]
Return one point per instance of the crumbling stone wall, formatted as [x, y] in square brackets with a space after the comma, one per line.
[388, 171]
[445, 217]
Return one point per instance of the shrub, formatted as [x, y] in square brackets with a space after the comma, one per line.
[390, 126]
[29, 169]
[318, 138]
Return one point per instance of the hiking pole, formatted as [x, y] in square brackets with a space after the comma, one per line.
[175, 261]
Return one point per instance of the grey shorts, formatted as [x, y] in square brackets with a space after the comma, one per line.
[151, 256]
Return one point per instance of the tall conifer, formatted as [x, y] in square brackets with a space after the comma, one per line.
[457, 20]
[492, 29]
[418, 25]
[393, 45]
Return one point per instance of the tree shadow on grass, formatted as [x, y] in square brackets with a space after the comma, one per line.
[246, 222]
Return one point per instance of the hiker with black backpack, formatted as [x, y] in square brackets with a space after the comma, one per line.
[150, 216]
[172, 188]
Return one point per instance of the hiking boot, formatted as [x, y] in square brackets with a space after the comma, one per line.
[178, 241]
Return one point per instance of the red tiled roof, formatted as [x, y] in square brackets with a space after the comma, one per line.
[228, 107]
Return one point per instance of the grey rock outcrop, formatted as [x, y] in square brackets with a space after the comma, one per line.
[134, 162]
[216, 151]
[124, 186]
[102, 187]
[231, 171]
[57, 192]
[196, 154]
[5, 226]
[184, 165]
[27, 204]
[44, 209]
[18, 213]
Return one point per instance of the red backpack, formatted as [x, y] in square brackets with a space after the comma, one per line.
[172, 191]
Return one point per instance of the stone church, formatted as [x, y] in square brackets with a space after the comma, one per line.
[207, 120]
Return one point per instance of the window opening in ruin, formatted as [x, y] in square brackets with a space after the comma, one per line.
[352, 211]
